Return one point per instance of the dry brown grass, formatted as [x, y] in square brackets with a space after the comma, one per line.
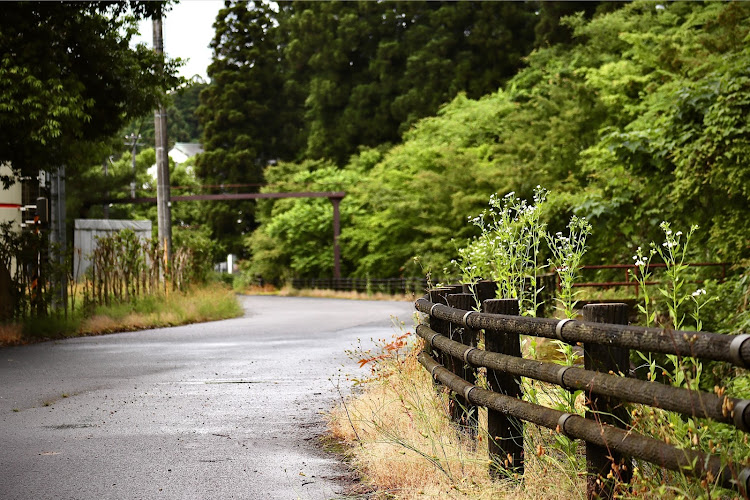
[350, 295]
[11, 334]
[101, 323]
[400, 440]
[288, 291]
[200, 304]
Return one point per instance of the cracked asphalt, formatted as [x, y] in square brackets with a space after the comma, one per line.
[228, 409]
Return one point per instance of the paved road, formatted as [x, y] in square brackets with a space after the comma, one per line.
[229, 409]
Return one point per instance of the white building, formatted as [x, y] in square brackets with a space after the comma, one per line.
[10, 199]
[184, 150]
[180, 154]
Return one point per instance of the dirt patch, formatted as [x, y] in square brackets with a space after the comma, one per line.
[352, 484]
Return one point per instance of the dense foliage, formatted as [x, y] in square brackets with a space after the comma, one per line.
[629, 114]
[643, 118]
[68, 79]
[318, 80]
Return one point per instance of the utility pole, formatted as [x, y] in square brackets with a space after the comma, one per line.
[133, 142]
[105, 207]
[336, 232]
[58, 234]
[162, 161]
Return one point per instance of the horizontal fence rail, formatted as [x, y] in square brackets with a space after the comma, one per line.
[685, 401]
[733, 349]
[575, 426]
[632, 271]
[452, 338]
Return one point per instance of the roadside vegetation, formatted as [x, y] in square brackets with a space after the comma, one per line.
[240, 285]
[127, 287]
[638, 118]
[400, 416]
[200, 303]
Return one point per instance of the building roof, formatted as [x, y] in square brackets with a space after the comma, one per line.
[179, 154]
[189, 149]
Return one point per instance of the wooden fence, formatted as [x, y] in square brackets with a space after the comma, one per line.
[546, 282]
[451, 355]
[389, 286]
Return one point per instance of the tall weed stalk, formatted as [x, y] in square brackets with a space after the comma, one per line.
[678, 302]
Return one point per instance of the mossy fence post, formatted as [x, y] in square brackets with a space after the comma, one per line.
[440, 296]
[505, 443]
[464, 413]
[604, 467]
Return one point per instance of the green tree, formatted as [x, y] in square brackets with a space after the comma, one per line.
[550, 31]
[239, 111]
[679, 148]
[320, 80]
[642, 118]
[295, 238]
[68, 78]
[416, 198]
[369, 70]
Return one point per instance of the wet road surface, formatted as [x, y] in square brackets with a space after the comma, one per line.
[228, 409]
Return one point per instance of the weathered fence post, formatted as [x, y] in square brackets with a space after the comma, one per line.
[505, 442]
[466, 416]
[600, 461]
[439, 296]
[484, 290]
[546, 283]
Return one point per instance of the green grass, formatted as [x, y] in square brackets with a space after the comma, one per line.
[34, 329]
[204, 303]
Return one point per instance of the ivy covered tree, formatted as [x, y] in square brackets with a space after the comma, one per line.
[676, 146]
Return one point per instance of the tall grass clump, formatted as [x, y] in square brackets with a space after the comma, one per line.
[130, 285]
[399, 438]
[198, 304]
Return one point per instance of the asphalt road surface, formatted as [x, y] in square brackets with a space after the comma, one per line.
[228, 409]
